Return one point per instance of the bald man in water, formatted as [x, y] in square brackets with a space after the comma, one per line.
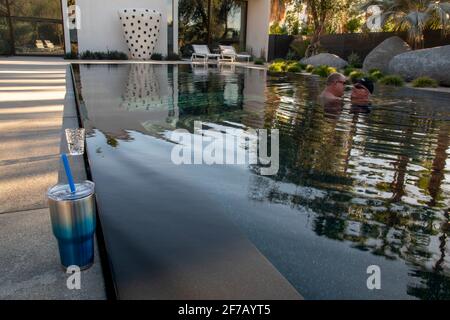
[335, 87]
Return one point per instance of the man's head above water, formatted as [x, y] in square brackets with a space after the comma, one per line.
[361, 91]
[335, 86]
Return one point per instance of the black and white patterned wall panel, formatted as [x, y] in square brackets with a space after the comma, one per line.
[141, 28]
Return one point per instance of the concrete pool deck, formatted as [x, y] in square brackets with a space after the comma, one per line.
[36, 104]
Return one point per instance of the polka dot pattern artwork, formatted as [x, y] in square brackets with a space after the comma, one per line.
[147, 90]
[141, 29]
[142, 90]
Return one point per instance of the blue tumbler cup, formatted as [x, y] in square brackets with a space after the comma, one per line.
[73, 222]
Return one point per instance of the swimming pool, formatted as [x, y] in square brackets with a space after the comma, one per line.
[354, 188]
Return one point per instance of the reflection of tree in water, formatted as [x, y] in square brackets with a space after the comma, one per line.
[209, 96]
[434, 283]
[353, 173]
[438, 167]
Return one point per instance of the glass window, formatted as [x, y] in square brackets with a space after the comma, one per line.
[33, 37]
[3, 8]
[49, 9]
[193, 23]
[5, 41]
[228, 23]
[31, 27]
[211, 22]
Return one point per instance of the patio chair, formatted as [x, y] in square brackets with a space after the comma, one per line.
[49, 44]
[202, 51]
[229, 53]
[39, 44]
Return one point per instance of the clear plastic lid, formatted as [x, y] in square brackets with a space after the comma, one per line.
[61, 192]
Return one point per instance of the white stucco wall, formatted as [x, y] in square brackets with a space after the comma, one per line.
[65, 27]
[258, 17]
[101, 29]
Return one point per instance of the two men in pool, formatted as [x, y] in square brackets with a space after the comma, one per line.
[361, 91]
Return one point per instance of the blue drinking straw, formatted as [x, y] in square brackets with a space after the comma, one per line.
[68, 172]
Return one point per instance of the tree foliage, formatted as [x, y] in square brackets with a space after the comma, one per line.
[414, 16]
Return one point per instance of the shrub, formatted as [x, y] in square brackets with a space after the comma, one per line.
[71, 55]
[292, 55]
[348, 70]
[376, 74]
[86, 55]
[277, 67]
[355, 75]
[116, 55]
[173, 57]
[101, 55]
[280, 65]
[371, 78]
[353, 25]
[323, 71]
[392, 80]
[156, 56]
[98, 55]
[259, 61]
[276, 28]
[354, 60]
[309, 68]
[331, 70]
[320, 71]
[423, 82]
[294, 67]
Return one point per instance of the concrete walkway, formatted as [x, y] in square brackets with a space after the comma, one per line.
[36, 104]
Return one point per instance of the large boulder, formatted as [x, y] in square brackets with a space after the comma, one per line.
[382, 54]
[432, 62]
[328, 59]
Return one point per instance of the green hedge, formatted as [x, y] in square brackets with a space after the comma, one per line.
[102, 55]
[280, 65]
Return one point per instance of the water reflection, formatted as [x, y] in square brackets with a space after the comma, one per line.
[377, 181]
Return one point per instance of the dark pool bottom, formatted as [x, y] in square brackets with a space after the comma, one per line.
[353, 189]
[172, 233]
[167, 237]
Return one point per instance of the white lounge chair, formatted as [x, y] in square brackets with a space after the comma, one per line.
[229, 53]
[202, 51]
[49, 44]
[39, 44]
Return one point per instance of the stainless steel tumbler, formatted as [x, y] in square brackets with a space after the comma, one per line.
[73, 222]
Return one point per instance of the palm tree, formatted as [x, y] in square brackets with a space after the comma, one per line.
[414, 16]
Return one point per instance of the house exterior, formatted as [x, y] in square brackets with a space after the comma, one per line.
[55, 27]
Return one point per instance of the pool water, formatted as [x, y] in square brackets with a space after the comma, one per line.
[355, 187]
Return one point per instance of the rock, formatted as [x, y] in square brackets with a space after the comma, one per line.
[432, 62]
[328, 59]
[382, 54]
